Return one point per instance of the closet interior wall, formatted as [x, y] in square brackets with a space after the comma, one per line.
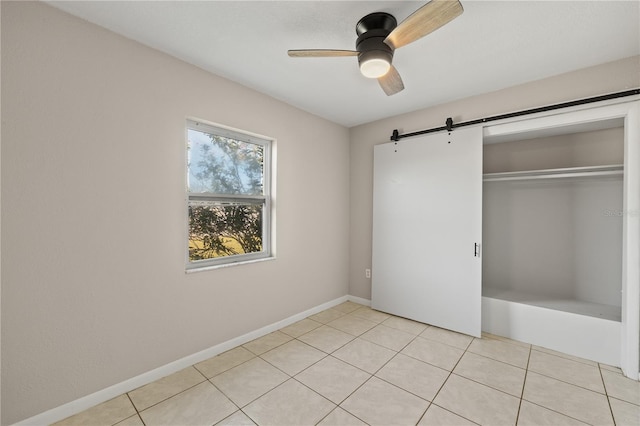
[555, 241]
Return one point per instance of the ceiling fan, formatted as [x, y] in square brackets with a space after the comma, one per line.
[379, 35]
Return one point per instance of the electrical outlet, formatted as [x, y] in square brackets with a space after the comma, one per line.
[367, 273]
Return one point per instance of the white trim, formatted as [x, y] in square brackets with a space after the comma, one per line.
[86, 402]
[631, 244]
[228, 131]
[558, 118]
[227, 265]
[265, 199]
[360, 300]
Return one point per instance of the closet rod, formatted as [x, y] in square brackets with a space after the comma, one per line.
[450, 125]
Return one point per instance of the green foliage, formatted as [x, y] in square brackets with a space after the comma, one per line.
[214, 229]
[227, 166]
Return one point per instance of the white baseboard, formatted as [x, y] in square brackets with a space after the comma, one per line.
[86, 402]
[360, 300]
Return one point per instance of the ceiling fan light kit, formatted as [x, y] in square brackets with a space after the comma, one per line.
[374, 67]
[374, 55]
[379, 35]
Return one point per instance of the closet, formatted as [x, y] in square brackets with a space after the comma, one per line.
[552, 236]
[527, 227]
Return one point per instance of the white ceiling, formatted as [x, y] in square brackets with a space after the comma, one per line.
[492, 45]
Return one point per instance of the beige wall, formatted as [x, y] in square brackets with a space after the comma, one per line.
[594, 148]
[94, 290]
[606, 78]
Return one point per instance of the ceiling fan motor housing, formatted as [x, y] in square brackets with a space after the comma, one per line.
[372, 30]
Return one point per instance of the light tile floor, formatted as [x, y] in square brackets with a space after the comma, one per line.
[351, 365]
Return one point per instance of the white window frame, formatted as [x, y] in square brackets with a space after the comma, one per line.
[264, 199]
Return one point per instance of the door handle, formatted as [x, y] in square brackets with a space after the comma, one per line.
[476, 250]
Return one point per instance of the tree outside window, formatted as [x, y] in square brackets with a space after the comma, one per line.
[228, 191]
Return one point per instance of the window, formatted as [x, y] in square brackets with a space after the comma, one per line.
[228, 186]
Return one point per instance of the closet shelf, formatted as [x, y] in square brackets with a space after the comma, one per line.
[569, 172]
[596, 310]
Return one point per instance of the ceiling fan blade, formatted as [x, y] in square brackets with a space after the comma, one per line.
[391, 82]
[423, 21]
[320, 53]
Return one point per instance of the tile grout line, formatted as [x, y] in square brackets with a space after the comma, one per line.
[555, 411]
[246, 414]
[484, 384]
[574, 359]
[606, 394]
[311, 365]
[241, 408]
[408, 391]
[312, 390]
[264, 360]
[497, 360]
[270, 349]
[524, 383]
[559, 380]
[385, 363]
[135, 408]
[225, 395]
[327, 415]
[456, 414]
[543, 374]
[445, 382]
[568, 383]
[324, 397]
[169, 397]
[329, 353]
[491, 357]
[371, 375]
[551, 409]
[354, 391]
[390, 359]
[232, 414]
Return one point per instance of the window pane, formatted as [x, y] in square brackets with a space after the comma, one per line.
[222, 165]
[219, 229]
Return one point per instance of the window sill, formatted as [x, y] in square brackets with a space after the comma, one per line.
[228, 265]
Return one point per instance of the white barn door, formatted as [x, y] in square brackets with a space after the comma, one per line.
[427, 229]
